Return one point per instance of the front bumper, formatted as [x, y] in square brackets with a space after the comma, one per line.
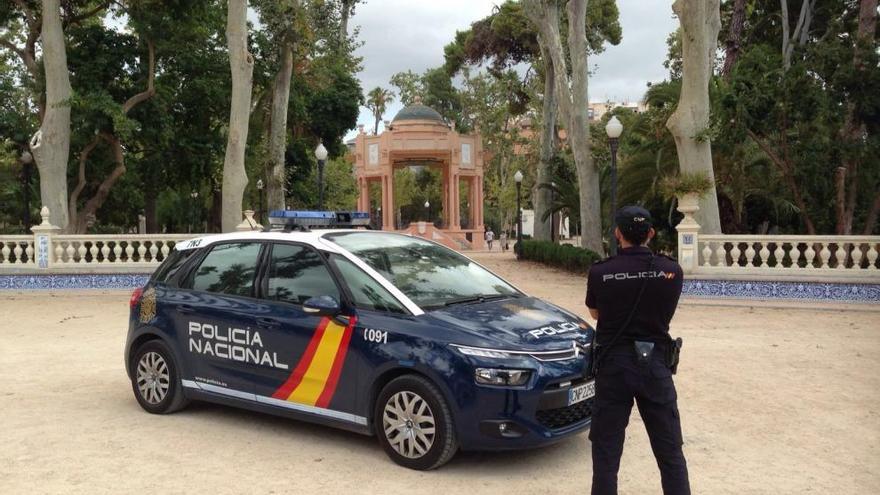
[496, 418]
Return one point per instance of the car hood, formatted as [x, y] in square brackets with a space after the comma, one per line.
[525, 323]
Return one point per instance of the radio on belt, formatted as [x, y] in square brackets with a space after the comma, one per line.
[303, 220]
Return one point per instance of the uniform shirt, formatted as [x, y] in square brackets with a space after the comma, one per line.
[613, 286]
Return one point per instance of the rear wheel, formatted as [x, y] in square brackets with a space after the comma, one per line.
[155, 379]
[414, 423]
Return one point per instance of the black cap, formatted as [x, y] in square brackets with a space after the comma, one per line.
[632, 219]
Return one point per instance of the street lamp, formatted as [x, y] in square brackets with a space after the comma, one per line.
[517, 248]
[260, 199]
[614, 128]
[26, 160]
[321, 155]
[427, 211]
[195, 196]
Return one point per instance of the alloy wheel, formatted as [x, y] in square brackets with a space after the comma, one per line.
[153, 377]
[408, 423]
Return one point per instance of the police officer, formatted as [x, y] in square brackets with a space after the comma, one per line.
[633, 296]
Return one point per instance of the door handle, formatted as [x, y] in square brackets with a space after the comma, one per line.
[268, 322]
[185, 308]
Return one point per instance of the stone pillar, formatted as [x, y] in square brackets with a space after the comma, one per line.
[478, 200]
[688, 230]
[44, 253]
[388, 203]
[248, 223]
[456, 203]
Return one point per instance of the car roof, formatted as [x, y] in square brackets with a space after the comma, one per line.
[313, 238]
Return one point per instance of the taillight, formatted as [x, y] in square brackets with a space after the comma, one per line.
[135, 297]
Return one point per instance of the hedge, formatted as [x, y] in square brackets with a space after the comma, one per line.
[565, 256]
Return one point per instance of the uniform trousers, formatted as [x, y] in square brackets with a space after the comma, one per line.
[619, 381]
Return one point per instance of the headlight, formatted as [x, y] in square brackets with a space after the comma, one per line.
[478, 352]
[493, 376]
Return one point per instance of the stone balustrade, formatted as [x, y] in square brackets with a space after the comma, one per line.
[48, 249]
[823, 258]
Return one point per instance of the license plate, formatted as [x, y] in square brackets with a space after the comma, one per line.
[581, 392]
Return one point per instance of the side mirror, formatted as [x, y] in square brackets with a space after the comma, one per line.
[322, 306]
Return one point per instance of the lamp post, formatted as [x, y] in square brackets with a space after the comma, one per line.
[379, 217]
[427, 211]
[26, 160]
[614, 128]
[195, 196]
[260, 200]
[321, 155]
[517, 248]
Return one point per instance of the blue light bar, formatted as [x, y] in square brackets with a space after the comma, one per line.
[309, 219]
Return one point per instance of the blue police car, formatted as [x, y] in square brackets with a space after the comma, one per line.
[380, 333]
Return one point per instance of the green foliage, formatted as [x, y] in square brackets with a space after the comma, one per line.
[564, 256]
[675, 186]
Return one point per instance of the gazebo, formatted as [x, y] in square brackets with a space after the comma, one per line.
[419, 136]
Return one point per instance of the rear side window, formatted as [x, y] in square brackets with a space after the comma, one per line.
[229, 269]
[365, 291]
[298, 273]
[172, 264]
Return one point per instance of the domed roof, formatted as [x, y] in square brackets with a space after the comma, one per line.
[417, 111]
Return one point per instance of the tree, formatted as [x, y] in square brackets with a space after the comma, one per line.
[281, 18]
[689, 124]
[571, 92]
[241, 63]
[51, 144]
[377, 101]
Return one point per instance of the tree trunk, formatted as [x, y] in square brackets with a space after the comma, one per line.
[277, 178]
[50, 145]
[151, 197]
[97, 200]
[241, 63]
[542, 195]
[873, 213]
[588, 174]
[572, 103]
[846, 175]
[734, 37]
[344, 17]
[700, 24]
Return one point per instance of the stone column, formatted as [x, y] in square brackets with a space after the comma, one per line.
[45, 254]
[688, 230]
[388, 202]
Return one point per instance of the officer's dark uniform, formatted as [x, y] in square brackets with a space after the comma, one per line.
[612, 288]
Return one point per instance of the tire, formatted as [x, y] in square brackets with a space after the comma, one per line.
[155, 379]
[404, 412]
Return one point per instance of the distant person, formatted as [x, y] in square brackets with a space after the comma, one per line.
[633, 296]
[503, 238]
[490, 236]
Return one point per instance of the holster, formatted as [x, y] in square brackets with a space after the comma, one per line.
[673, 354]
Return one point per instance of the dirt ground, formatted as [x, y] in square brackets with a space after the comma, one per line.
[772, 401]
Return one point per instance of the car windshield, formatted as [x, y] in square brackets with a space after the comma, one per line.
[431, 275]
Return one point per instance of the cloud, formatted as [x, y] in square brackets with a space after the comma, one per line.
[400, 35]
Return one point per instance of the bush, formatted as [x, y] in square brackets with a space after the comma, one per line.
[567, 257]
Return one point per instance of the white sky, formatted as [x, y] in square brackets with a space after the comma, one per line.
[402, 35]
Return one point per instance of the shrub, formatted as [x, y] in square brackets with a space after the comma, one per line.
[567, 257]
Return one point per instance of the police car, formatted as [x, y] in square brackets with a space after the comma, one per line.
[380, 333]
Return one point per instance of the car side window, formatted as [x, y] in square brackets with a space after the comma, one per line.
[365, 291]
[229, 269]
[298, 273]
[172, 264]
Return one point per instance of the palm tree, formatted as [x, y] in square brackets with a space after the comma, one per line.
[377, 101]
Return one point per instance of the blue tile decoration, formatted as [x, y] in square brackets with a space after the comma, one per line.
[763, 290]
[75, 281]
[693, 288]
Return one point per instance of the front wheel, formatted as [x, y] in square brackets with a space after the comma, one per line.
[414, 423]
[156, 379]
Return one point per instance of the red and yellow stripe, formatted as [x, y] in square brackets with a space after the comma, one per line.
[313, 381]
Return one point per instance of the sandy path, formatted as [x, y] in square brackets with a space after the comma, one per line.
[773, 401]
